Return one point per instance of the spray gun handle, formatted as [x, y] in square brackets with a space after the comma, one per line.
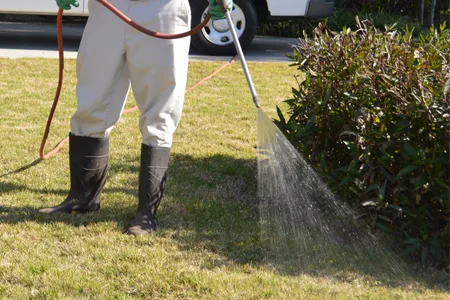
[223, 4]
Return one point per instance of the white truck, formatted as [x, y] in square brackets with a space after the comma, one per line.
[215, 38]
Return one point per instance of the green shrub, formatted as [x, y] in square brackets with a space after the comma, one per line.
[404, 8]
[404, 13]
[341, 18]
[372, 117]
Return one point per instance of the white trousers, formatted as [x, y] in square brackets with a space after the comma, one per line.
[112, 54]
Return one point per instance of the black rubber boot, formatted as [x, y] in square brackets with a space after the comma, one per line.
[88, 166]
[152, 179]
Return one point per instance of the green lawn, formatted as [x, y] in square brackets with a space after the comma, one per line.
[208, 246]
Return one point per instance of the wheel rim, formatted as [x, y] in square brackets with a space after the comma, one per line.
[218, 32]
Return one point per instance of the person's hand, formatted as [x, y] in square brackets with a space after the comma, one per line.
[65, 4]
[216, 8]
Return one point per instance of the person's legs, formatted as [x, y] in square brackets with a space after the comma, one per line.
[102, 87]
[158, 72]
[102, 72]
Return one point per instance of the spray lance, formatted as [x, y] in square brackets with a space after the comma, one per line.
[144, 30]
[239, 51]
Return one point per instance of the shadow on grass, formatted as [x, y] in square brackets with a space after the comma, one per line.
[210, 203]
[22, 169]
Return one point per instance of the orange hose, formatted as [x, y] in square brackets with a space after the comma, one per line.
[58, 91]
[42, 153]
[153, 33]
[210, 76]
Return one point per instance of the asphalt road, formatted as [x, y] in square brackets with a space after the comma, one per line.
[39, 40]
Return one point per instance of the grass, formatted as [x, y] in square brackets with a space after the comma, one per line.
[208, 245]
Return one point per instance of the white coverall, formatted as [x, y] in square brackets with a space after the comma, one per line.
[112, 54]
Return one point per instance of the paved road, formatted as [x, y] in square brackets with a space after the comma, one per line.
[39, 40]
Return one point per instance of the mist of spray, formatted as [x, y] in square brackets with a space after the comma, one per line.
[304, 227]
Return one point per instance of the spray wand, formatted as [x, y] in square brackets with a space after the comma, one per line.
[239, 51]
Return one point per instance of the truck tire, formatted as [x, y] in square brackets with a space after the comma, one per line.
[215, 38]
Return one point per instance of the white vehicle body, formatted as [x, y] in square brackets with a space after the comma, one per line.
[277, 8]
[215, 37]
[40, 7]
